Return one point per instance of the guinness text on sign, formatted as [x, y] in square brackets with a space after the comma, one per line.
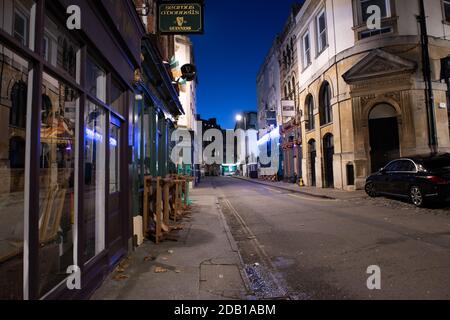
[180, 18]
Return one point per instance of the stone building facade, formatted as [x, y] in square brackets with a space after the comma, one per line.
[361, 93]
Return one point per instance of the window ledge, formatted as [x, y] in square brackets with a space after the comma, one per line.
[306, 67]
[322, 126]
[322, 51]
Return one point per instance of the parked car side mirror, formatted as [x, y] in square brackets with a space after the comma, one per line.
[382, 170]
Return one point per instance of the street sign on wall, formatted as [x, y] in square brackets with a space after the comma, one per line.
[288, 108]
[180, 17]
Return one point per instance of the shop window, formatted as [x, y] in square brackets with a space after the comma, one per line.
[117, 98]
[57, 185]
[13, 143]
[114, 157]
[326, 112]
[59, 49]
[95, 179]
[17, 115]
[95, 80]
[46, 109]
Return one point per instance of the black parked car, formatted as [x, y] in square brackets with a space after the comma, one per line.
[421, 179]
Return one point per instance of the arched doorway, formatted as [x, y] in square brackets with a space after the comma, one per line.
[312, 162]
[328, 153]
[384, 136]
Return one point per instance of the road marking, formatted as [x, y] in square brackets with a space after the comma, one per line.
[273, 190]
[310, 199]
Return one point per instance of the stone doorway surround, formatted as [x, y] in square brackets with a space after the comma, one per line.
[381, 77]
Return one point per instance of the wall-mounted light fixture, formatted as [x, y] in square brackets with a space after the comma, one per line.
[145, 9]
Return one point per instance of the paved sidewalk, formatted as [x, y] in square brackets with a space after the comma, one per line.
[311, 191]
[203, 264]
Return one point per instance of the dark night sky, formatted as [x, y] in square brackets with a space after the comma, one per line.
[238, 35]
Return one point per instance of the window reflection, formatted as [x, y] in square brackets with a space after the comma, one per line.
[114, 159]
[94, 166]
[13, 114]
[95, 80]
[16, 18]
[59, 49]
[117, 98]
[57, 172]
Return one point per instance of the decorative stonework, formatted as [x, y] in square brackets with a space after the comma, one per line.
[394, 95]
[378, 64]
[367, 98]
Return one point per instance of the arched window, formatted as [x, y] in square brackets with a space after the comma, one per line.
[326, 113]
[17, 115]
[310, 112]
[285, 91]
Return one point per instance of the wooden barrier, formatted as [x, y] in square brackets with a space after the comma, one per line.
[152, 209]
[165, 200]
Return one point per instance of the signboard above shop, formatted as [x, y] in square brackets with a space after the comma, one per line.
[180, 17]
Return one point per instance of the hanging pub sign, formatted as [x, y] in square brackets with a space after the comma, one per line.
[180, 17]
[189, 72]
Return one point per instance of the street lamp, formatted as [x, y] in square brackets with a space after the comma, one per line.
[239, 117]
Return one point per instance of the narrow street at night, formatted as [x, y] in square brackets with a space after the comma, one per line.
[204, 159]
[309, 248]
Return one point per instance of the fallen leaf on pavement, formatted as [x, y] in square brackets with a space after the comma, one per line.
[149, 258]
[121, 277]
[160, 270]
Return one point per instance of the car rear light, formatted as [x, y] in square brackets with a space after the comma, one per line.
[437, 180]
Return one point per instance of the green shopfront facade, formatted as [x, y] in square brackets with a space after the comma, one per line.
[155, 112]
[66, 120]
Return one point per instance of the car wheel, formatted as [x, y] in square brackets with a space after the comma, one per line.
[416, 196]
[370, 190]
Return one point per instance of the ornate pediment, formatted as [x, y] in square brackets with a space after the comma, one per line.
[378, 64]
